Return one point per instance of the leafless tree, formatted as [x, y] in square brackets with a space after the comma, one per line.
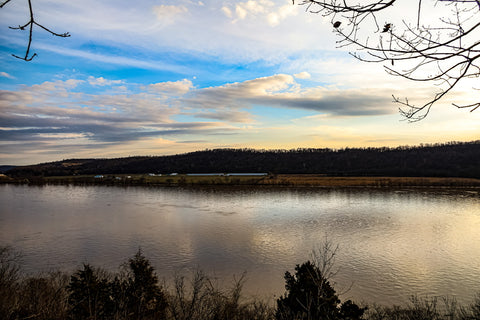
[29, 26]
[433, 41]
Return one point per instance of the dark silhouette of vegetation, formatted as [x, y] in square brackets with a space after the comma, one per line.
[9, 278]
[310, 296]
[456, 159]
[436, 308]
[5, 168]
[89, 295]
[39, 297]
[145, 298]
[198, 297]
[93, 296]
[134, 293]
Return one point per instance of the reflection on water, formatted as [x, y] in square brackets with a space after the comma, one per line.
[392, 243]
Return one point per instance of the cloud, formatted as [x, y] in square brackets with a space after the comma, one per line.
[6, 75]
[54, 114]
[172, 87]
[229, 116]
[281, 91]
[58, 85]
[168, 13]
[117, 60]
[302, 75]
[133, 29]
[241, 12]
[227, 12]
[261, 8]
[241, 90]
[333, 102]
[274, 18]
[54, 111]
[249, 8]
[102, 81]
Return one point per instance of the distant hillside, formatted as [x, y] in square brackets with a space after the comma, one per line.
[456, 159]
[4, 169]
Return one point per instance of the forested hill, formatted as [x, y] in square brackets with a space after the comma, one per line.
[454, 159]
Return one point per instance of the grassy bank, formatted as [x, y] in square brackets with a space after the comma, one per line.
[292, 180]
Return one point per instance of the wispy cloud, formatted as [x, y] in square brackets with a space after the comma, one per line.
[226, 115]
[174, 88]
[303, 75]
[263, 9]
[117, 60]
[6, 75]
[167, 13]
[101, 81]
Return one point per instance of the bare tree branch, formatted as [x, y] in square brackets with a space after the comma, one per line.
[29, 25]
[1, 5]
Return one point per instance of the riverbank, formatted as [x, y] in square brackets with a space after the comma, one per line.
[136, 292]
[291, 180]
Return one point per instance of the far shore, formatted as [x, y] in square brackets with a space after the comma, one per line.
[290, 180]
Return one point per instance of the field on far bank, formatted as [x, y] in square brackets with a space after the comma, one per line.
[324, 181]
[292, 180]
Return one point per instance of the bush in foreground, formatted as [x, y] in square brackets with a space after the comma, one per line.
[310, 296]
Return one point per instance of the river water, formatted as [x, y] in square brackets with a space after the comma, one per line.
[392, 243]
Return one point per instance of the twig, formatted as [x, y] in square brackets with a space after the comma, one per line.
[30, 24]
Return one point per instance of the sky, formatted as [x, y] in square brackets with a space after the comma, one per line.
[156, 77]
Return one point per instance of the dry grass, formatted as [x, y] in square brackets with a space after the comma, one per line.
[294, 180]
[325, 181]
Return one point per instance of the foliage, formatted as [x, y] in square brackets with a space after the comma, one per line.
[136, 296]
[145, 297]
[309, 295]
[89, 295]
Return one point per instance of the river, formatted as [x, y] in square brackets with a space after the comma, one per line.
[392, 243]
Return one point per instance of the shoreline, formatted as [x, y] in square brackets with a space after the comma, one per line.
[281, 180]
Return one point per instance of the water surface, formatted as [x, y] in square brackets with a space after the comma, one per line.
[392, 243]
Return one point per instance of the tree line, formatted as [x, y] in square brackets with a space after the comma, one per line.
[455, 159]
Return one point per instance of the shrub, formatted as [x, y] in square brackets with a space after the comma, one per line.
[43, 297]
[198, 298]
[309, 295]
[145, 298]
[89, 295]
[471, 312]
[9, 282]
